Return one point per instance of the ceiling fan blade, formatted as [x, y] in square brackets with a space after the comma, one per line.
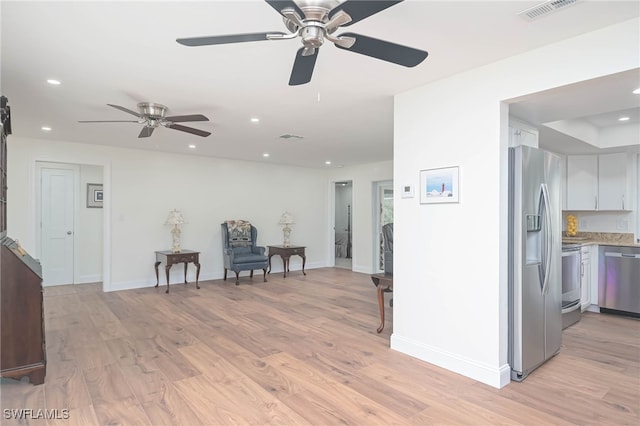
[191, 130]
[127, 110]
[303, 67]
[146, 132]
[226, 39]
[280, 5]
[185, 118]
[361, 9]
[108, 121]
[385, 50]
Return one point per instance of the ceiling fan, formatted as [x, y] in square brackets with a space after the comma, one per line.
[153, 115]
[315, 21]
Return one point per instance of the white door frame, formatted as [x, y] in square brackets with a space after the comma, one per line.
[34, 200]
[76, 210]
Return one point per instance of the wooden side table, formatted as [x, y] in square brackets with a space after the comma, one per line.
[285, 253]
[170, 258]
[383, 283]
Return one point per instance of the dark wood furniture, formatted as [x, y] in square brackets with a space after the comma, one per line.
[383, 283]
[22, 345]
[21, 312]
[170, 258]
[285, 253]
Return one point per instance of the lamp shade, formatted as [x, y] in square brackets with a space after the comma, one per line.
[174, 218]
[286, 219]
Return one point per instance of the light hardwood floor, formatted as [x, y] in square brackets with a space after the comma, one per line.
[300, 350]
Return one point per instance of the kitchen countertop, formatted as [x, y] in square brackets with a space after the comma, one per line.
[601, 238]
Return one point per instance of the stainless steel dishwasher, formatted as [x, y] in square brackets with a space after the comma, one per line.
[619, 280]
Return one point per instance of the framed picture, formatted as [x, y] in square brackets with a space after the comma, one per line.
[94, 195]
[439, 185]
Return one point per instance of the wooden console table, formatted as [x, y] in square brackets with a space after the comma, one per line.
[285, 253]
[383, 283]
[170, 258]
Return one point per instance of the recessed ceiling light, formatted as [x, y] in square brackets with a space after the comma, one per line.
[53, 82]
[265, 155]
[255, 120]
[46, 128]
[637, 91]
[192, 146]
[623, 118]
[327, 163]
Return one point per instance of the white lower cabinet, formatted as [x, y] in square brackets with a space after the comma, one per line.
[585, 277]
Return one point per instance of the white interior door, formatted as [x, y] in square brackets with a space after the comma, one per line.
[57, 225]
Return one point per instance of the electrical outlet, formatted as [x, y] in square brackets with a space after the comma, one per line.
[622, 225]
[583, 224]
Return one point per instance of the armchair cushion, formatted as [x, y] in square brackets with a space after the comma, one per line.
[239, 233]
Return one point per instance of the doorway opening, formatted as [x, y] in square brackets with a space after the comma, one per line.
[383, 214]
[70, 228]
[343, 224]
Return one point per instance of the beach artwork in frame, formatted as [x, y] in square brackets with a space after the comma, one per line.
[439, 185]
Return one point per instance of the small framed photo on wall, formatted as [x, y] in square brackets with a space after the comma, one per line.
[439, 185]
[95, 195]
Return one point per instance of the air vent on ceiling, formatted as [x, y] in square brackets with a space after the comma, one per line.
[545, 8]
[290, 136]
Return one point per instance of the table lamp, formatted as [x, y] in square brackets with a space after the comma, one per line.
[175, 218]
[286, 219]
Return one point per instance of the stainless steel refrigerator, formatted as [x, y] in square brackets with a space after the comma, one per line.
[535, 259]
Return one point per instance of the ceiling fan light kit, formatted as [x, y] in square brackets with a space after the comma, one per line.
[315, 21]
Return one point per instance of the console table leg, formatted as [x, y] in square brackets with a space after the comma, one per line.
[166, 268]
[285, 265]
[381, 306]
[197, 275]
[185, 273]
[157, 277]
[304, 260]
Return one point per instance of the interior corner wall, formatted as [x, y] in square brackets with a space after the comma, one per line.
[362, 214]
[141, 187]
[450, 262]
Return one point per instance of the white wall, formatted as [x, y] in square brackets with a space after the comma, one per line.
[142, 186]
[89, 234]
[450, 271]
[363, 237]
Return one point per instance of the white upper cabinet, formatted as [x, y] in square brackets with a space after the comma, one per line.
[612, 182]
[522, 133]
[599, 182]
[582, 182]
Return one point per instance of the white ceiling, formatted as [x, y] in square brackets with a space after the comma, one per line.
[123, 53]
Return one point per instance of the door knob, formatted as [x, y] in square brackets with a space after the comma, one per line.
[68, 232]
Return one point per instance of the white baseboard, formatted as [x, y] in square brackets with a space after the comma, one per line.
[88, 279]
[177, 276]
[497, 377]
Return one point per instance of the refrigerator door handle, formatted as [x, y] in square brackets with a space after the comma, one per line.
[548, 238]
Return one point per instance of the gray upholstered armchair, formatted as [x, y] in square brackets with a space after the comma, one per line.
[239, 249]
[387, 234]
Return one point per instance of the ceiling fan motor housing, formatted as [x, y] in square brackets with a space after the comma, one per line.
[315, 11]
[152, 110]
